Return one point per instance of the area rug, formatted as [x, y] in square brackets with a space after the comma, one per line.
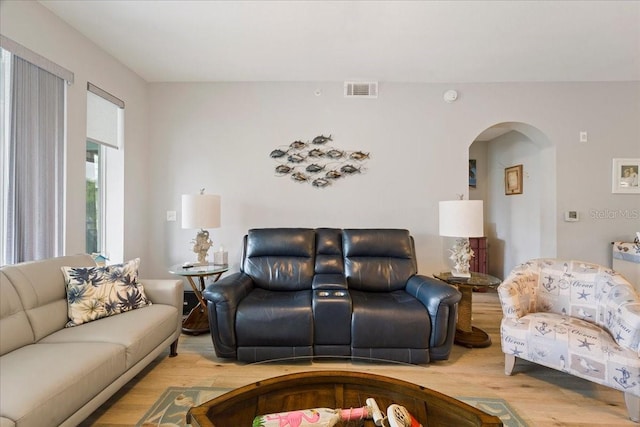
[171, 407]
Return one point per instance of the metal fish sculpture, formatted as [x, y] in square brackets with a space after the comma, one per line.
[349, 169]
[321, 139]
[297, 145]
[300, 177]
[335, 154]
[332, 174]
[359, 155]
[283, 169]
[277, 153]
[320, 182]
[314, 168]
[316, 153]
[295, 158]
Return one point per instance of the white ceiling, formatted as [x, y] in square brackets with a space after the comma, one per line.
[402, 41]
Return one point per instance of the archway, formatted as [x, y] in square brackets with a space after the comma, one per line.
[519, 226]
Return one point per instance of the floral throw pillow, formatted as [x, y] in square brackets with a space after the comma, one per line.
[97, 292]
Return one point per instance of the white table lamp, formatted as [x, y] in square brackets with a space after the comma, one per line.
[461, 219]
[201, 211]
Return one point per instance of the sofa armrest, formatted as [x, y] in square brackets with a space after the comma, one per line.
[441, 301]
[169, 292]
[223, 298]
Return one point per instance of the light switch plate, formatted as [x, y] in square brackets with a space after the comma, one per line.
[171, 215]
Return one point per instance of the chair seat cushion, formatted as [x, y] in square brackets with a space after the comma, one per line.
[572, 345]
[388, 320]
[275, 318]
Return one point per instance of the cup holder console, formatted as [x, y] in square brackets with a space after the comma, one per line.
[332, 293]
[332, 322]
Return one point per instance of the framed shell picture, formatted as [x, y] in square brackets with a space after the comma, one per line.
[513, 180]
[624, 176]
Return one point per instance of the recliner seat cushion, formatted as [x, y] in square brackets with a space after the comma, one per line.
[388, 320]
[269, 318]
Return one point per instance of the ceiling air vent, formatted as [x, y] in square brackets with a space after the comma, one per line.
[360, 89]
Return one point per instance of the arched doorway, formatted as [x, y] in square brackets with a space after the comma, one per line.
[519, 226]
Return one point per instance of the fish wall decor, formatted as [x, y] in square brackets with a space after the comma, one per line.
[316, 162]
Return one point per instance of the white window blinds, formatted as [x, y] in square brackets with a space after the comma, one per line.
[105, 116]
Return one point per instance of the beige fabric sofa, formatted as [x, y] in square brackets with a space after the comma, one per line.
[56, 376]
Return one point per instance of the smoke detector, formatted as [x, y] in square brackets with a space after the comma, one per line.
[450, 96]
[360, 89]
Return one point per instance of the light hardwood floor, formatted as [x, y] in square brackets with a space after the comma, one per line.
[542, 396]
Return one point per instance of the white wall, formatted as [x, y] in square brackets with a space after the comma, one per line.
[181, 137]
[35, 27]
[516, 220]
[219, 136]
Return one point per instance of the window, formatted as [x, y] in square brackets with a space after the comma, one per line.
[104, 167]
[32, 116]
[5, 101]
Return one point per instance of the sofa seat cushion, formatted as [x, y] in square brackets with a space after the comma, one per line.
[43, 384]
[388, 320]
[572, 345]
[139, 331]
[268, 318]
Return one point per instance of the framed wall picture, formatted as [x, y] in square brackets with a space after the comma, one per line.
[472, 173]
[513, 180]
[624, 176]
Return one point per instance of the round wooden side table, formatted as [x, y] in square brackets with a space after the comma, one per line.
[467, 334]
[197, 321]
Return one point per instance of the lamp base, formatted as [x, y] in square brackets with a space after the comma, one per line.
[461, 254]
[466, 275]
[201, 246]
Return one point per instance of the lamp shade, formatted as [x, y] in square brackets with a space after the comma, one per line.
[200, 211]
[461, 218]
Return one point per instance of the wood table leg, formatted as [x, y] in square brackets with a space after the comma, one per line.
[197, 321]
[466, 334]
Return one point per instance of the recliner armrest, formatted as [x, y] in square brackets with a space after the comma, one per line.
[230, 289]
[432, 292]
[329, 281]
[223, 298]
[440, 300]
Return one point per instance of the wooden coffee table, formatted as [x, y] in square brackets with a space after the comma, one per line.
[335, 389]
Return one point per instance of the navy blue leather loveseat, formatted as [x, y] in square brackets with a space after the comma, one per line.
[331, 292]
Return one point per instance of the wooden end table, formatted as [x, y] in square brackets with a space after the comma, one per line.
[467, 334]
[197, 321]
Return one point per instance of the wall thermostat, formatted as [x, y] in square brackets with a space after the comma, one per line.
[450, 95]
[571, 216]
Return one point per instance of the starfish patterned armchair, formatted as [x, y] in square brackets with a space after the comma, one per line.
[576, 317]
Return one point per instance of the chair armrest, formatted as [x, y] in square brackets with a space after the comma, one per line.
[223, 298]
[441, 301]
[621, 306]
[517, 294]
[169, 292]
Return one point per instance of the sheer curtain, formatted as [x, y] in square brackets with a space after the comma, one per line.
[34, 223]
